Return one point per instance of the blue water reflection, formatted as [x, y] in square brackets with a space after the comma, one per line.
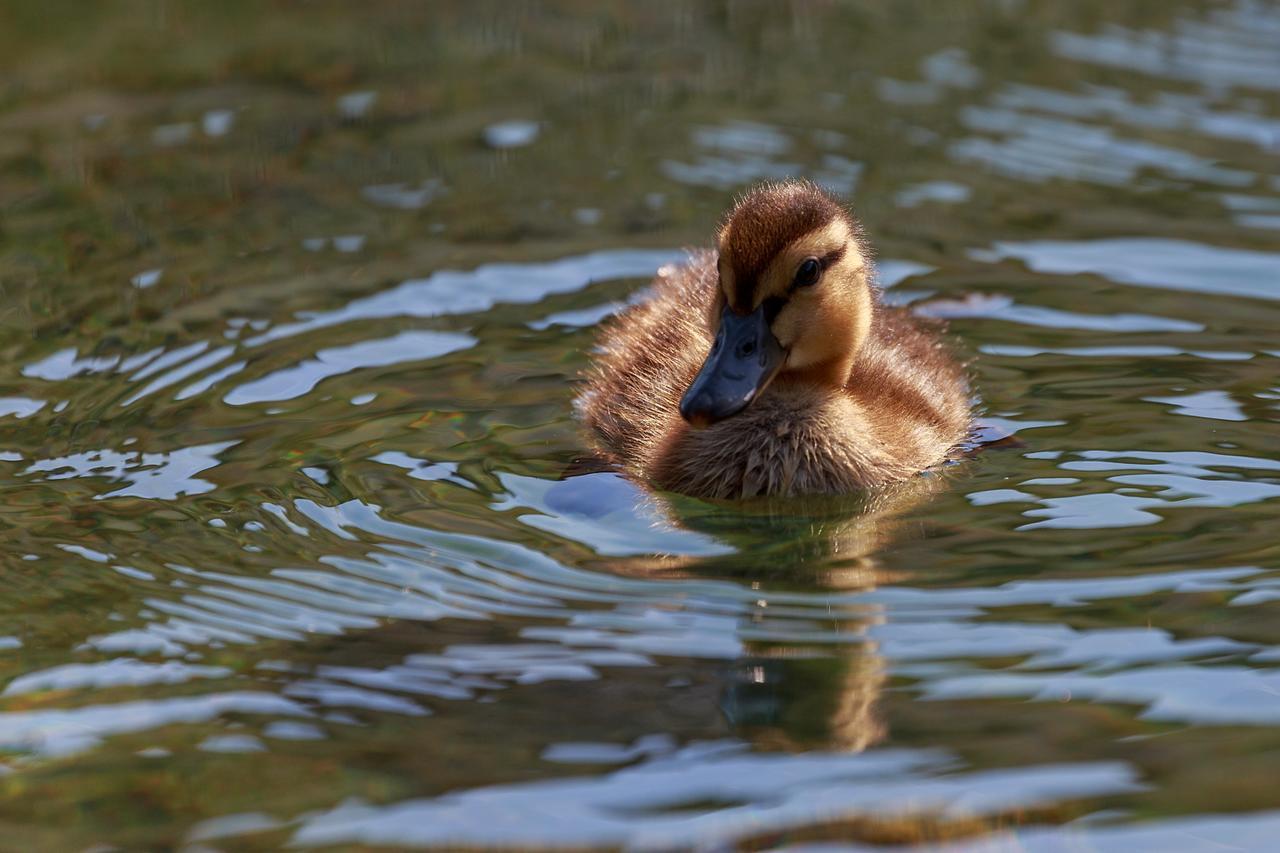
[303, 523]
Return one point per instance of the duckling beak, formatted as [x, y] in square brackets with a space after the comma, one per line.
[743, 361]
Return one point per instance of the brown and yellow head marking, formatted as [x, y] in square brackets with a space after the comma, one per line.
[761, 226]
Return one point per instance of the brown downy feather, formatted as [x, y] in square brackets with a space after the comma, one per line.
[902, 407]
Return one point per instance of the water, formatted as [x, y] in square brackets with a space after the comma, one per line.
[299, 549]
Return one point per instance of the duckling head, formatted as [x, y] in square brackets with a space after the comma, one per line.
[793, 301]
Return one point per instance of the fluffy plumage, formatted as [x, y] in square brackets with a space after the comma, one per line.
[868, 394]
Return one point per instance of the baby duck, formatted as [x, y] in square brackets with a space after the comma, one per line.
[771, 367]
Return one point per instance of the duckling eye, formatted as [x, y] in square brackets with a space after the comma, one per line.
[808, 273]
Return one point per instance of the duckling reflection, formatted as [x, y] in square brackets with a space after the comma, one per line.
[808, 702]
[827, 542]
[812, 677]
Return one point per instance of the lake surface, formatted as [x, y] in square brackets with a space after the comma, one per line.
[296, 550]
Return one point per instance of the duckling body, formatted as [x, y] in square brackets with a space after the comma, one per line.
[746, 373]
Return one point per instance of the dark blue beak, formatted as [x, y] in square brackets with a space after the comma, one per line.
[743, 361]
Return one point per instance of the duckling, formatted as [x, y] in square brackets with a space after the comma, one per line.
[770, 366]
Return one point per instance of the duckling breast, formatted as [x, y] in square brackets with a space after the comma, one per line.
[791, 441]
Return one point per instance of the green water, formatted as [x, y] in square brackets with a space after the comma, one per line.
[295, 295]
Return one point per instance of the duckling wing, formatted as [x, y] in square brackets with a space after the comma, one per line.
[647, 356]
[908, 377]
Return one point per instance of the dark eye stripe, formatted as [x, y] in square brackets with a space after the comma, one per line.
[773, 305]
[831, 257]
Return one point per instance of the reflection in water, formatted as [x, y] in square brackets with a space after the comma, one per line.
[1234, 45]
[1038, 149]
[59, 733]
[1206, 834]
[286, 424]
[1169, 693]
[798, 702]
[788, 690]
[163, 476]
[299, 379]
[458, 292]
[1176, 264]
[649, 807]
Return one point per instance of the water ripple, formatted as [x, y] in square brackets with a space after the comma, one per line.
[1148, 262]
[659, 804]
